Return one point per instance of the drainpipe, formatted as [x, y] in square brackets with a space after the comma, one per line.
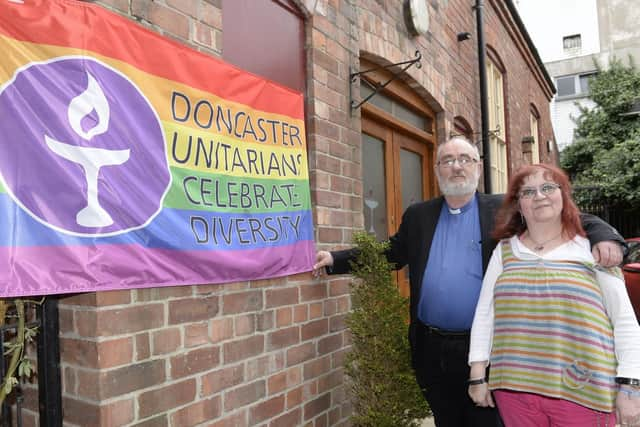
[484, 106]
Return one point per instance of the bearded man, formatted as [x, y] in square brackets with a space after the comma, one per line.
[447, 243]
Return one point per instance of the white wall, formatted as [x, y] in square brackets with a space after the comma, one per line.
[561, 116]
[548, 21]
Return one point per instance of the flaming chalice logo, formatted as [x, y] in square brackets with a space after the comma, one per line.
[82, 150]
[90, 159]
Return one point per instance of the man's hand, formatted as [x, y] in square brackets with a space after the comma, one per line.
[323, 259]
[607, 253]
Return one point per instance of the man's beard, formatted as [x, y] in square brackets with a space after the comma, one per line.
[469, 185]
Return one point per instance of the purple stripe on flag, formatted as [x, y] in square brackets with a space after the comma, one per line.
[53, 270]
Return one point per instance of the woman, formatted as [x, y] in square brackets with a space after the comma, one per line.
[560, 333]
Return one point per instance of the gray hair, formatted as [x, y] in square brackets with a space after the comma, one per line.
[458, 138]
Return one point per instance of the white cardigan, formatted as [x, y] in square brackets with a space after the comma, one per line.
[626, 331]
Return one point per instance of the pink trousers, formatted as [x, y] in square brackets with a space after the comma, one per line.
[533, 410]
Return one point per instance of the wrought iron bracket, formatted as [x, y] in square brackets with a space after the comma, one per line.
[377, 87]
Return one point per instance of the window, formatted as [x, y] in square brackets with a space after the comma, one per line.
[252, 29]
[535, 146]
[497, 135]
[572, 44]
[396, 109]
[574, 85]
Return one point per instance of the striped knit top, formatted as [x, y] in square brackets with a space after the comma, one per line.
[552, 335]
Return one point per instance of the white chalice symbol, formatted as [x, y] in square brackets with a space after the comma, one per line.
[89, 158]
[371, 204]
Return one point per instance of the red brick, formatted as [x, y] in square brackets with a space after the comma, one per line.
[160, 421]
[313, 291]
[166, 341]
[265, 410]
[211, 15]
[276, 383]
[65, 318]
[165, 18]
[282, 338]
[195, 335]
[316, 309]
[316, 406]
[295, 397]
[221, 329]
[245, 324]
[242, 302]
[314, 329]
[143, 347]
[289, 419]
[300, 353]
[238, 419]
[244, 395]
[300, 313]
[200, 360]
[339, 287]
[329, 344]
[167, 397]
[200, 412]
[280, 297]
[265, 320]
[98, 299]
[221, 379]
[116, 382]
[337, 323]
[121, 5]
[263, 366]
[69, 380]
[316, 368]
[193, 309]
[164, 293]
[243, 349]
[188, 7]
[106, 323]
[284, 317]
[332, 380]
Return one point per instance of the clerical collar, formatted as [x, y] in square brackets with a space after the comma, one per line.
[463, 209]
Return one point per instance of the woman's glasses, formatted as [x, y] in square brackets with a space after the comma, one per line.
[545, 189]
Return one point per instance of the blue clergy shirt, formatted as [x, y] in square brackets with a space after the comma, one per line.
[453, 276]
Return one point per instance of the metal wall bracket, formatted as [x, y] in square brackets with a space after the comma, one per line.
[377, 87]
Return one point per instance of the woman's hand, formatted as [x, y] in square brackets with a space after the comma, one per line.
[481, 395]
[628, 406]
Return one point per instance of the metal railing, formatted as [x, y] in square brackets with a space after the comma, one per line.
[44, 317]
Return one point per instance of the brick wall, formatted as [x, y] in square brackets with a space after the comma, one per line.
[271, 353]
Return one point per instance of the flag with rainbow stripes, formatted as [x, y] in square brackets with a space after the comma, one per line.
[129, 160]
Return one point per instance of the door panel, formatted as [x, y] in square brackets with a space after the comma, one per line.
[397, 172]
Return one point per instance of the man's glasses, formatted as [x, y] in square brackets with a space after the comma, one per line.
[545, 189]
[463, 161]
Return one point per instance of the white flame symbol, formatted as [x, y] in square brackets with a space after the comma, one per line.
[89, 158]
[91, 99]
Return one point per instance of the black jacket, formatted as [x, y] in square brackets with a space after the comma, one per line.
[412, 243]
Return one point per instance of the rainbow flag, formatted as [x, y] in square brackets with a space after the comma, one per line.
[129, 160]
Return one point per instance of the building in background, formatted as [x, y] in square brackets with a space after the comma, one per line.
[271, 352]
[571, 35]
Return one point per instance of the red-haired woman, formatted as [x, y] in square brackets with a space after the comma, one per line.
[558, 331]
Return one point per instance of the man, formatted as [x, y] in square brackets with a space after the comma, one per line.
[447, 244]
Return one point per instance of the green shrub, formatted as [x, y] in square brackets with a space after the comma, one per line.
[382, 383]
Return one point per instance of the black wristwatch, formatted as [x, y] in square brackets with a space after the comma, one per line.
[634, 382]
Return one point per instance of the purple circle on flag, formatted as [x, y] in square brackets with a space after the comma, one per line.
[82, 150]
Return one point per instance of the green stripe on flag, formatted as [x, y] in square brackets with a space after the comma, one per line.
[194, 190]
